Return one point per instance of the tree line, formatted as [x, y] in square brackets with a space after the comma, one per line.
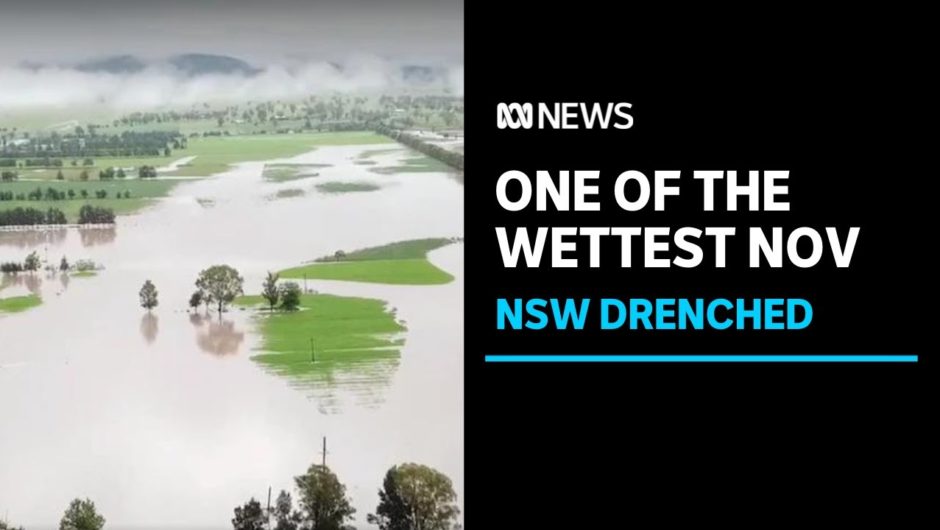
[30, 264]
[57, 146]
[412, 497]
[451, 158]
[52, 194]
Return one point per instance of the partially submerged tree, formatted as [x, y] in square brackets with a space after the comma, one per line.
[148, 296]
[195, 300]
[32, 262]
[64, 264]
[290, 296]
[222, 283]
[415, 496]
[81, 515]
[323, 501]
[269, 290]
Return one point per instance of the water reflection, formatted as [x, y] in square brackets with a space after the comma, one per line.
[32, 238]
[32, 282]
[219, 338]
[149, 326]
[97, 236]
[64, 279]
[334, 385]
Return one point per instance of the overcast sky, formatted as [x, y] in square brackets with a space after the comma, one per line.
[258, 30]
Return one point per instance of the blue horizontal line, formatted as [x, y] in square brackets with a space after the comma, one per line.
[701, 358]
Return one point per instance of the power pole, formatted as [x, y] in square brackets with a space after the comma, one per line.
[324, 452]
[305, 283]
[313, 351]
[267, 513]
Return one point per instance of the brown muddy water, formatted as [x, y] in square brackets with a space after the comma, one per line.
[163, 419]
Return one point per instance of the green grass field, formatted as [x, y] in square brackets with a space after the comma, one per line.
[142, 194]
[17, 304]
[289, 193]
[346, 187]
[375, 152]
[213, 155]
[344, 330]
[419, 164]
[289, 172]
[84, 274]
[401, 263]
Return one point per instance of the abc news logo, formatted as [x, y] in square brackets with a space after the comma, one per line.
[563, 116]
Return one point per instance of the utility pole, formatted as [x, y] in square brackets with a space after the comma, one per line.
[267, 513]
[305, 283]
[324, 452]
[313, 351]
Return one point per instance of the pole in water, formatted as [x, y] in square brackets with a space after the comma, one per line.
[324, 451]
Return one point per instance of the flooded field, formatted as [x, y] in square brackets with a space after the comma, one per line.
[141, 412]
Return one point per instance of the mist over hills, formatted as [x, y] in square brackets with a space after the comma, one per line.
[129, 80]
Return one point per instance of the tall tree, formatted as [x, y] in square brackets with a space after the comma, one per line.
[64, 264]
[250, 517]
[148, 296]
[323, 501]
[222, 283]
[81, 515]
[415, 497]
[269, 290]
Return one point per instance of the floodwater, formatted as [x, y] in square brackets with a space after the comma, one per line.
[162, 419]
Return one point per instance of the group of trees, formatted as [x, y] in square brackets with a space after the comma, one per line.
[413, 497]
[451, 158]
[288, 293]
[20, 216]
[53, 194]
[48, 151]
[218, 285]
[80, 515]
[32, 263]
[95, 215]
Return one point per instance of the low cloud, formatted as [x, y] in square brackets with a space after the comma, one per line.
[161, 86]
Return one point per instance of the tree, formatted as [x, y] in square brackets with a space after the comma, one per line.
[195, 300]
[250, 517]
[148, 296]
[415, 497]
[32, 262]
[81, 515]
[59, 175]
[120, 173]
[6, 526]
[323, 501]
[284, 515]
[64, 264]
[222, 283]
[83, 176]
[269, 290]
[290, 296]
